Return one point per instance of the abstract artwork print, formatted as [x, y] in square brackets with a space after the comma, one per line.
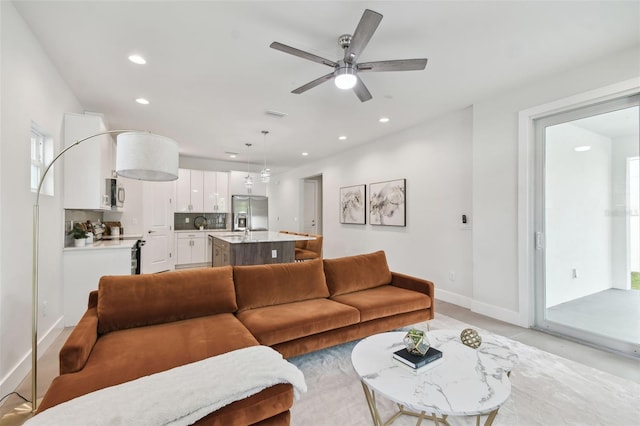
[352, 204]
[387, 203]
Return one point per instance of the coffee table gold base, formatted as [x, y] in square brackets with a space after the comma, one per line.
[370, 395]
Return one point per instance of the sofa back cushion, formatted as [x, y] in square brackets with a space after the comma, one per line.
[266, 285]
[128, 301]
[354, 273]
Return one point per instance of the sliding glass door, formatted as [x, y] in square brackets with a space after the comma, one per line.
[587, 224]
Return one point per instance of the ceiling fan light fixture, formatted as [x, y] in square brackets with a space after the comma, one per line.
[345, 78]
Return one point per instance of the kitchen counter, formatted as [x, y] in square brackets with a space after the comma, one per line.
[239, 237]
[127, 243]
[207, 230]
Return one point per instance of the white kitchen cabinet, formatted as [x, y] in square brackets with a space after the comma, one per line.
[216, 192]
[82, 270]
[191, 248]
[189, 190]
[89, 164]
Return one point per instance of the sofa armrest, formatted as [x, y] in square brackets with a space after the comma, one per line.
[75, 351]
[415, 284]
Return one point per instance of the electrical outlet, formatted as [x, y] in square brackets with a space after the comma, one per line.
[452, 275]
[274, 254]
[186, 220]
[44, 309]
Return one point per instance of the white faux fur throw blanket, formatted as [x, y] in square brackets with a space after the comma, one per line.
[179, 396]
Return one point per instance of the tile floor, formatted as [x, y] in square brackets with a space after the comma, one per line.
[620, 308]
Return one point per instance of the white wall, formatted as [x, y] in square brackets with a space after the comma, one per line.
[578, 223]
[496, 280]
[31, 90]
[435, 159]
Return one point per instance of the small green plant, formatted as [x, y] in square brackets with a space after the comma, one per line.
[78, 232]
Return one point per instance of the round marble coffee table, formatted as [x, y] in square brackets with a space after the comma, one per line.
[465, 382]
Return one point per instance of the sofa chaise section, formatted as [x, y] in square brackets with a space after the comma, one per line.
[145, 324]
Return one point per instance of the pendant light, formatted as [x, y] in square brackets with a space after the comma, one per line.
[248, 180]
[265, 174]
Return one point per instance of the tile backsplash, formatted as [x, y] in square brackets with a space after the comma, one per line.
[188, 221]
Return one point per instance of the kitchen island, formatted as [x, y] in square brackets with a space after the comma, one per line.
[253, 247]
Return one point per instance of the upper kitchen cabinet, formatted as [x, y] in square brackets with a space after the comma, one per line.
[236, 184]
[88, 165]
[199, 191]
[216, 192]
[189, 190]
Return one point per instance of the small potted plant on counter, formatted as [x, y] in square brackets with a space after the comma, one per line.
[79, 235]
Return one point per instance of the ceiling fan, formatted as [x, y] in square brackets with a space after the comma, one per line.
[346, 70]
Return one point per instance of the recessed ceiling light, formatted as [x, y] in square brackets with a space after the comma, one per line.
[275, 113]
[137, 59]
[342, 138]
[384, 119]
[582, 148]
[304, 154]
[142, 101]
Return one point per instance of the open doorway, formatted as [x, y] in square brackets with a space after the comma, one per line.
[587, 234]
[312, 205]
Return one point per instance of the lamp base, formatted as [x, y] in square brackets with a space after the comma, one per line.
[18, 415]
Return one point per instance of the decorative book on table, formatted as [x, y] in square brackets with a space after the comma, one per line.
[417, 361]
[420, 370]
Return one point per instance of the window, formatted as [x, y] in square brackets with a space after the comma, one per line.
[41, 156]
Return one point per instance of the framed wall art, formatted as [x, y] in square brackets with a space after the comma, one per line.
[353, 204]
[387, 203]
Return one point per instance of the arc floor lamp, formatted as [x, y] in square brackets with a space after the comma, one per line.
[139, 155]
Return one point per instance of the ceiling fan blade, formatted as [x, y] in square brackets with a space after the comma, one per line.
[312, 84]
[302, 54]
[363, 33]
[361, 91]
[395, 65]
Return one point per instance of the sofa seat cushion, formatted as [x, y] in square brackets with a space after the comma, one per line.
[354, 273]
[260, 286]
[384, 301]
[281, 323]
[129, 354]
[132, 353]
[128, 301]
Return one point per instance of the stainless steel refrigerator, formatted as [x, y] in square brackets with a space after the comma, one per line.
[250, 212]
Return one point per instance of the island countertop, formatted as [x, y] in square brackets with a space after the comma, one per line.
[257, 237]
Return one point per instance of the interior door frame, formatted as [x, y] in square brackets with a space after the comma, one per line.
[540, 214]
[318, 202]
[526, 183]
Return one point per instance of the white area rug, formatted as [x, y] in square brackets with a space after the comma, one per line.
[546, 390]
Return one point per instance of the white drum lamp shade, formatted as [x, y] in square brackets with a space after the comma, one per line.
[146, 156]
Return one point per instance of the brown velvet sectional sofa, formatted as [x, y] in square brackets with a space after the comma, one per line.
[143, 324]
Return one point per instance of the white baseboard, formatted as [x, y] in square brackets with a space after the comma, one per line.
[454, 298]
[16, 375]
[499, 313]
[492, 311]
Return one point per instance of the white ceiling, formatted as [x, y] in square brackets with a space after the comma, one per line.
[210, 74]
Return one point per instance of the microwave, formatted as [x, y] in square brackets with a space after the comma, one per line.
[114, 193]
